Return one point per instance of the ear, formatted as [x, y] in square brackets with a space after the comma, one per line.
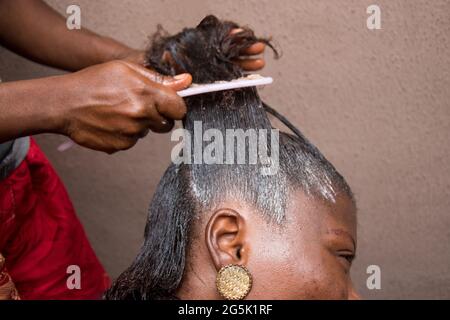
[226, 238]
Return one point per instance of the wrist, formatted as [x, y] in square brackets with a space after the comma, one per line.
[31, 107]
[52, 99]
[68, 98]
[109, 49]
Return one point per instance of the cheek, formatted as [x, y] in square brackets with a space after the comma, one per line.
[318, 275]
[284, 271]
[271, 266]
[321, 282]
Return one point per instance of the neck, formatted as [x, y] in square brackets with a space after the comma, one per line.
[199, 282]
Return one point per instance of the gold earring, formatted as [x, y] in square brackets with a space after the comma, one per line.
[234, 282]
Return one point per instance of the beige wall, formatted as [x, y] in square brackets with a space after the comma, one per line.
[375, 102]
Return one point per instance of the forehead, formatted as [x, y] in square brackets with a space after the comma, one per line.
[317, 216]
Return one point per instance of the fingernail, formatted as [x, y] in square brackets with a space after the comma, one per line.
[237, 30]
[180, 76]
[173, 79]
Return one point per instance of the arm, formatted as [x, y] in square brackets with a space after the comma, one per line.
[106, 107]
[36, 31]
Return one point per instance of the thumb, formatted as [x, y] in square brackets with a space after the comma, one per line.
[178, 82]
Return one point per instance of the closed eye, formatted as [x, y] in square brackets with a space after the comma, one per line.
[347, 255]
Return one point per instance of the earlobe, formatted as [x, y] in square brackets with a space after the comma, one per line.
[226, 238]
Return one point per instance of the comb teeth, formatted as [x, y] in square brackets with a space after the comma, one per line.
[252, 80]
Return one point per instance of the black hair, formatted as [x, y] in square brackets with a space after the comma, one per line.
[207, 52]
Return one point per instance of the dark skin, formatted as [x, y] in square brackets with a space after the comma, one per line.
[308, 257]
[107, 104]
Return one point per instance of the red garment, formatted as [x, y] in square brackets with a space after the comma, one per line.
[40, 235]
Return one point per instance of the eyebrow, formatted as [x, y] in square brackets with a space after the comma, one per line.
[344, 233]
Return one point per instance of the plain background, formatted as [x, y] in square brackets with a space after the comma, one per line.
[376, 103]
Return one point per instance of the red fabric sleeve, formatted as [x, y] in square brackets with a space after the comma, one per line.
[40, 235]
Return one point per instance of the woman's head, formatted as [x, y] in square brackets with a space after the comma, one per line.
[295, 229]
[307, 256]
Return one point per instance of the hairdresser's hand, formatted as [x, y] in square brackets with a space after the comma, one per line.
[112, 105]
[248, 61]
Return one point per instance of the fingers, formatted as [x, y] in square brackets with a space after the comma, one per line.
[236, 30]
[170, 105]
[250, 64]
[178, 82]
[143, 133]
[147, 73]
[257, 48]
[142, 100]
[104, 142]
[166, 105]
[158, 122]
[254, 49]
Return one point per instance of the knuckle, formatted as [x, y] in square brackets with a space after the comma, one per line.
[139, 111]
[118, 67]
[133, 129]
[138, 87]
[80, 138]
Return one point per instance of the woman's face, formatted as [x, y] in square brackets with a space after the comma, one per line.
[309, 256]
